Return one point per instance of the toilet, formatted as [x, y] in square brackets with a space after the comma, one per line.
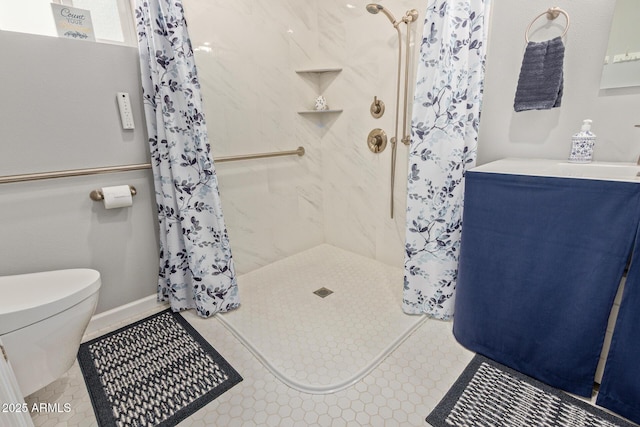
[43, 317]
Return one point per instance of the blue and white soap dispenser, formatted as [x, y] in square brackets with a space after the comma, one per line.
[582, 144]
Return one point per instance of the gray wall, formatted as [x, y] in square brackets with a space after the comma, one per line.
[59, 112]
[547, 134]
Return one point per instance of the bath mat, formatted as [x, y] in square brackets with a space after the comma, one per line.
[154, 372]
[490, 394]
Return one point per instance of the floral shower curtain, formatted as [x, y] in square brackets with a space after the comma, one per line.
[444, 132]
[196, 266]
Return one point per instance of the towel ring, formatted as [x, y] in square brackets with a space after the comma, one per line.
[552, 13]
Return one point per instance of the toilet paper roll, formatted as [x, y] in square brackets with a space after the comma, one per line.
[118, 196]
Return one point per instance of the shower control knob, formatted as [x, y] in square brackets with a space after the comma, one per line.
[377, 108]
[377, 140]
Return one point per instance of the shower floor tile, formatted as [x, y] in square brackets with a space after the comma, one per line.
[400, 391]
[320, 345]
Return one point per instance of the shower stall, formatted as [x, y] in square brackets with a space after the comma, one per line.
[318, 222]
[247, 53]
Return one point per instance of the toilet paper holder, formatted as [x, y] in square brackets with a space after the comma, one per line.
[97, 196]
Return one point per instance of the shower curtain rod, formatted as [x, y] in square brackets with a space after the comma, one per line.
[141, 166]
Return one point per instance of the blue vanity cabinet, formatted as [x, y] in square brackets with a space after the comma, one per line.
[540, 262]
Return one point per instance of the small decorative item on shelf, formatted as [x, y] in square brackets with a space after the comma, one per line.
[321, 104]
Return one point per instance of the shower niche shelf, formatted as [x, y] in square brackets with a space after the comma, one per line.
[319, 70]
[318, 73]
[318, 111]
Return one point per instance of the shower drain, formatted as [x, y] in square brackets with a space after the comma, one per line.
[323, 292]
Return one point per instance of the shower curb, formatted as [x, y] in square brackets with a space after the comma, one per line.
[330, 388]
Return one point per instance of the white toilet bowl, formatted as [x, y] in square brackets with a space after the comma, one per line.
[43, 317]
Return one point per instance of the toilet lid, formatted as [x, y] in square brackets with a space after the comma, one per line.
[28, 298]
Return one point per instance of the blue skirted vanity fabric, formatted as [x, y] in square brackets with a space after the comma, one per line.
[620, 389]
[540, 263]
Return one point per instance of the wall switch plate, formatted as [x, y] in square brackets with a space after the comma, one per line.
[126, 114]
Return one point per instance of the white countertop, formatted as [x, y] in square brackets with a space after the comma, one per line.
[606, 171]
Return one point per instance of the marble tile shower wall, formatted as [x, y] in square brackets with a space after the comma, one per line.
[247, 52]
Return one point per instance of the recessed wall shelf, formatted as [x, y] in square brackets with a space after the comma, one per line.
[319, 70]
[317, 80]
[319, 111]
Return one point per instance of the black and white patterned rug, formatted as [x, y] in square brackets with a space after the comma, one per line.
[490, 394]
[154, 372]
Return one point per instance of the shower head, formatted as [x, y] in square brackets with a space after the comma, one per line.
[375, 8]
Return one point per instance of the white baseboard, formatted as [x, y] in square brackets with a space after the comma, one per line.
[118, 314]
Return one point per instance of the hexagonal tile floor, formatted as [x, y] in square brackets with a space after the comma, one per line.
[400, 391]
[321, 345]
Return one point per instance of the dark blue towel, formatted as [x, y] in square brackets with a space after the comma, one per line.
[540, 263]
[541, 77]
